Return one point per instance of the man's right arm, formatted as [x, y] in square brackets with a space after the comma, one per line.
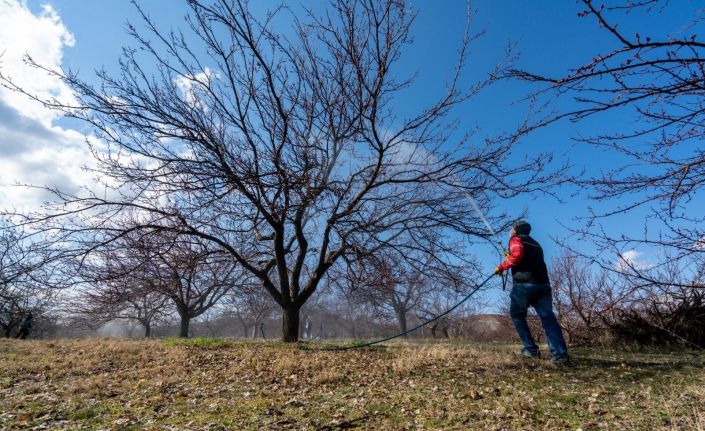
[516, 254]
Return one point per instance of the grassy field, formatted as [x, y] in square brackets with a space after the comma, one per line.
[220, 384]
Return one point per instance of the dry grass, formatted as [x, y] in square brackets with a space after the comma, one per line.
[407, 360]
[217, 385]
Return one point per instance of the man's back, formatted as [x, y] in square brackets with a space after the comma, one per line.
[532, 267]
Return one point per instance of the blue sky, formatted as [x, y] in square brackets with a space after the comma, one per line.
[549, 36]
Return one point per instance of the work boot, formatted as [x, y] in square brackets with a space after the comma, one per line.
[526, 354]
[562, 361]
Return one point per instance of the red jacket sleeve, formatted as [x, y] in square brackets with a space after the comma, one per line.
[516, 253]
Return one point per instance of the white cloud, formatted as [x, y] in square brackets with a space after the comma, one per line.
[413, 156]
[699, 244]
[33, 149]
[191, 87]
[42, 37]
[632, 259]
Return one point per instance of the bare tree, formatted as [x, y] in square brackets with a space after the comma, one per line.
[193, 276]
[670, 313]
[391, 286]
[132, 297]
[341, 305]
[284, 150]
[122, 282]
[438, 301]
[586, 297]
[595, 304]
[250, 304]
[22, 269]
[656, 82]
[17, 302]
[141, 273]
[214, 320]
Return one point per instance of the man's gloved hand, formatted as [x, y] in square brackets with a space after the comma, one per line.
[498, 271]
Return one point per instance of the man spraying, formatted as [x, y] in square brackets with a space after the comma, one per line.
[531, 287]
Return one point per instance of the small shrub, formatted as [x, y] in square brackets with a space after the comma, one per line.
[674, 320]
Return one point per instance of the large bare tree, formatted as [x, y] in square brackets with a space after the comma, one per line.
[285, 148]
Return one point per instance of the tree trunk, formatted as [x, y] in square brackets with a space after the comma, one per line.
[302, 329]
[243, 325]
[290, 324]
[185, 322]
[401, 319]
[147, 330]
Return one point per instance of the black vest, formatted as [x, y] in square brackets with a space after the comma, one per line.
[532, 268]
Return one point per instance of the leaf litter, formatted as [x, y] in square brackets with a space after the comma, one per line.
[156, 384]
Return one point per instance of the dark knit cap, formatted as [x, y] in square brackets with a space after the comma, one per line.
[521, 227]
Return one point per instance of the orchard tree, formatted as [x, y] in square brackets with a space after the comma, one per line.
[120, 285]
[586, 296]
[120, 301]
[250, 304]
[392, 286]
[671, 312]
[194, 276]
[24, 278]
[142, 276]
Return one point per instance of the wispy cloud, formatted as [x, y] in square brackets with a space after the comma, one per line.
[43, 37]
[192, 87]
[632, 259]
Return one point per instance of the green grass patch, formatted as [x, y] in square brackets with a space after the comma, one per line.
[84, 414]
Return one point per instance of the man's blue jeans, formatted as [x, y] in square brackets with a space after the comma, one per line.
[539, 296]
